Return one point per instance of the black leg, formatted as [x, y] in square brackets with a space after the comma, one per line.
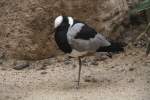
[79, 71]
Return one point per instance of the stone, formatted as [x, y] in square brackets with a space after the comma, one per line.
[19, 65]
[43, 72]
[1, 61]
[90, 79]
[131, 69]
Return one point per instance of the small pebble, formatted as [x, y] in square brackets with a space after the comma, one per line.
[3, 68]
[1, 61]
[94, 63]
[66, 62]
[19, 65]
[52, 69]
[112, 67]
[74, 66]
[131, 80]
[43, 72]
[122, 70]
[90, 79]
[131, 69]
[2, 55]
[42, 68]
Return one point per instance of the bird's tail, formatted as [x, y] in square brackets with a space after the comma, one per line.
[115, 47]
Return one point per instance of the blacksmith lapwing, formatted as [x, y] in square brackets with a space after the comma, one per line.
[78, 39]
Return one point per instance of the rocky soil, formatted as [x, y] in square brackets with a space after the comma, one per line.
[124, 77]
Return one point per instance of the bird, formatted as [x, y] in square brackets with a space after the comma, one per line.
[78, 39]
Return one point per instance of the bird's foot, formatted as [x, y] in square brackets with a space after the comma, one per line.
[77, 86]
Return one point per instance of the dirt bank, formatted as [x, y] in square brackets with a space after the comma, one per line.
[26, 25]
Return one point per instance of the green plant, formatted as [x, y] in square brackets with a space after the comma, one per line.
[144, 5]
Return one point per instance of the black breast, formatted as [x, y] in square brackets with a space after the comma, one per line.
[61, 38]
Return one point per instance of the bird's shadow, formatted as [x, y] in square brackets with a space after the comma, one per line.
[98, 83]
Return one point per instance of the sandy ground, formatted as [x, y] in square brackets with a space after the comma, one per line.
[124, 77]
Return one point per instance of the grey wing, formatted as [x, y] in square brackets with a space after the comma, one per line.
[73, 31]
[90, 45]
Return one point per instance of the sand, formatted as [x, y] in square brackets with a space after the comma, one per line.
[124, 77]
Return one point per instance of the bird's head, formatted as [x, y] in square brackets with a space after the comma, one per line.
[63, 20]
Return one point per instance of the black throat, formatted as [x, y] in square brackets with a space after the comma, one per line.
[61, 36]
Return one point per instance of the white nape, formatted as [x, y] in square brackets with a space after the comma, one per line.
[70, 21]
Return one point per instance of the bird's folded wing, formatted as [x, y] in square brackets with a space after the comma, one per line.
[81, 44]
[74, 30]
[90, 45]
